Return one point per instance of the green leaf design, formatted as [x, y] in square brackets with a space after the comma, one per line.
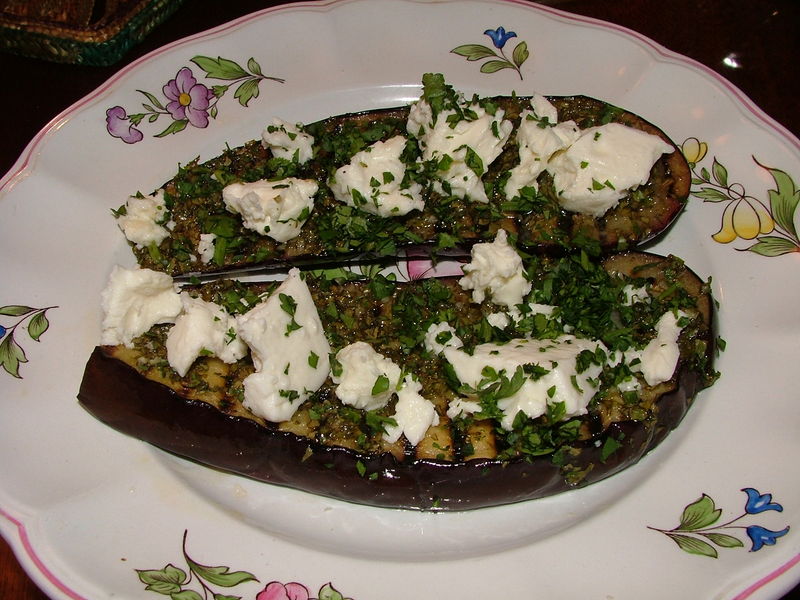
[770, 245]
[784, 200]
[152, 99]
[15, 310]
[724, 540]
[226, 597]
[328, 592]
[520, 54]
[720, 173]
[186, 595]
[219, 575]
[247, 91]
[711, 195]
[693, 545]
[220, 68]
[493, 66]
[254, 67]
[699, 514]
[174, 127]
[11, 354]
[219, 90]
[473, 52]
[38, 325]
[165, 581]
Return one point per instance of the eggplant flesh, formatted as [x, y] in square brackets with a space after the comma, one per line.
[443, 473]
[335, 232]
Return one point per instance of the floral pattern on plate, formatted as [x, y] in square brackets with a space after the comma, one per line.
[176, 583]
[699, 525]
[772, 224]
[187, 101]
[497, 58]
[11, 353]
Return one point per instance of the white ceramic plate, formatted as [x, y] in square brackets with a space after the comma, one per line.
[94, 514]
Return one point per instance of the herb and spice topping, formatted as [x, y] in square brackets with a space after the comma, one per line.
[445, 172]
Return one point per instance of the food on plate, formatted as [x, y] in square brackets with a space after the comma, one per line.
[443, 173]
[525, 376]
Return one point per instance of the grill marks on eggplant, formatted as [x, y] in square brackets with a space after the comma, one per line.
[335, 231]
[334, 450]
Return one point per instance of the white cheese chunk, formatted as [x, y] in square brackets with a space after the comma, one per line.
[133, 301]
[288, 141]
[499, 320]
[373, 180]
[464, 148]
[290, 351]
[413, 413]
[367, 379]
[632, 295]
[440, 336]
[603, 165]
[660, 357]
[202, 328]
[459, 407]
[278, 209]
[205, 247]
[496, 270]
[144, 219]
[539, 136]
[561, 382]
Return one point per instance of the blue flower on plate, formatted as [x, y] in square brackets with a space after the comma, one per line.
[758, 503]
[760, 536]
[2, 331]
[499, 36]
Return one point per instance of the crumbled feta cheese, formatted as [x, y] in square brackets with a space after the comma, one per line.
[603, 165]
[464, 149]
[373, 181]
[133, 301]
[496, 270]
[440, 336]
[413, 413]
[205, 247]
[278, 209]
[458, 407]
[632, 295]
[367, 379]
[143, 219]
[539, 136]
[660, 357]
[630, 384]
[499, 320]
[290, 351]
[288, 141]
[561, 382]
[202, 328]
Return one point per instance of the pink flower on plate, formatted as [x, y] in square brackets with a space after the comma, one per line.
[119, 126]
[189, 100]
[276, 590]
[420, 266]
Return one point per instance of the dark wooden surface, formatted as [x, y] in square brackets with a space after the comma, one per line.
[758, 36]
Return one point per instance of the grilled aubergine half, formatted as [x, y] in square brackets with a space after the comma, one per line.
[466, 461]
[333, 230]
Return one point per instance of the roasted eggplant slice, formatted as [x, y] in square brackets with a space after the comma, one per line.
[202, 236]
[470, 458]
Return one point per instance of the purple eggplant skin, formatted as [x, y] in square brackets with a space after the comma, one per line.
[117, 395]
[192, 429]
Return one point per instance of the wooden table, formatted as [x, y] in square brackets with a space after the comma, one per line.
[754, 44]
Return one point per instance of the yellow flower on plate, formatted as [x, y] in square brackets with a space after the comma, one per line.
[694, 150]
[745, 218]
